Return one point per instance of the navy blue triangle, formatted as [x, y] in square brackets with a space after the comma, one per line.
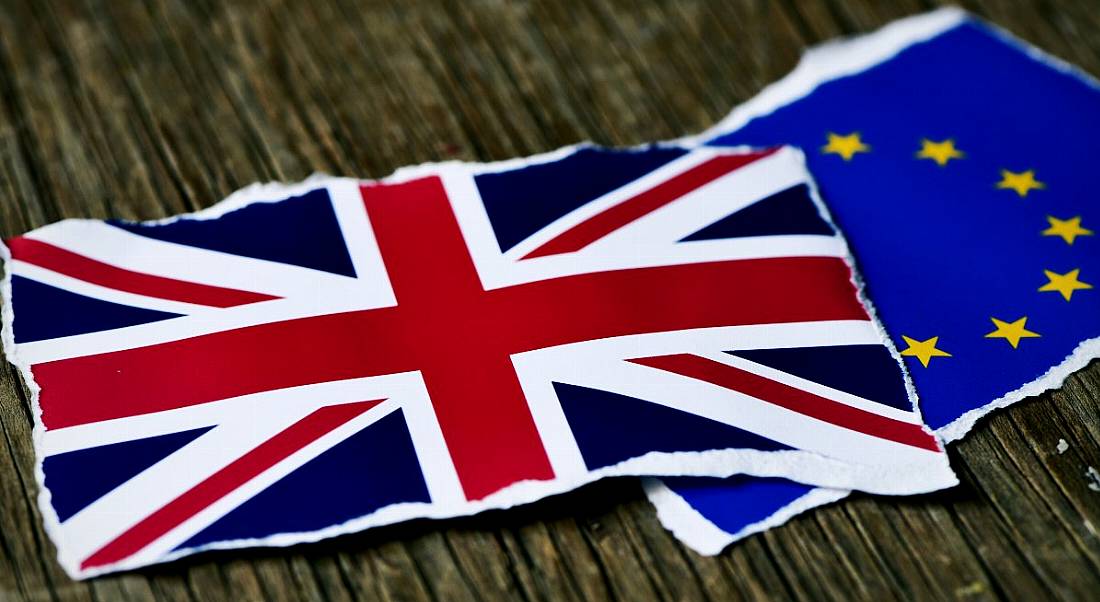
[78, 478]
[300, 230]
[868, 371]
[736, 502]
[371, 469]
[610, 428]
[790, 211]
[523, 201]
[46, 312]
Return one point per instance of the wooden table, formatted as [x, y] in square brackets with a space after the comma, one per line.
[116, 109]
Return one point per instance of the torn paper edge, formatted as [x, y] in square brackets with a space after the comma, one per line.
[872, 312]
[801, 466]
[696, 532]
[821, 64]
[519, 493]
[834, 59]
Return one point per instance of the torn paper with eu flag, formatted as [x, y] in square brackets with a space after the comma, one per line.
[958, 162]
[303, 361]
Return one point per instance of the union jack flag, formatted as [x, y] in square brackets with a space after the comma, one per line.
[302, 361]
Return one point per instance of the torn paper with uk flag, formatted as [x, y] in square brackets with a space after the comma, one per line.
[304, 361]
[957, 161]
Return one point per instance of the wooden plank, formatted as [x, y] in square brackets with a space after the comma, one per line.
[141, 111]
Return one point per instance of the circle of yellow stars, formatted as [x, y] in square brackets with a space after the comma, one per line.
[1023, 183]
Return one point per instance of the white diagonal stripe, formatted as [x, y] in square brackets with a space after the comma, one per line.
[87, 289]
[123, 249]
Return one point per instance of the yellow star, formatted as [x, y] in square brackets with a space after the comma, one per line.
[923, 350]
[1064, 283]
[1011, 331]
[845, 146]
[1068, 229]
[940, 152]
[1022, 182]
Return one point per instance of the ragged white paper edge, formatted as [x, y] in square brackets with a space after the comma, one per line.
[802, 466]
[695, 531]
[821, 64]
[831, 60]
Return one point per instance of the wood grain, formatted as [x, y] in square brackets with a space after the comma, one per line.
[140, 110]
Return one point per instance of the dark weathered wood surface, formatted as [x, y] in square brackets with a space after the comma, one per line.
[122, 109]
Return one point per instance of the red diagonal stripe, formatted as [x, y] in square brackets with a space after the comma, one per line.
[226, 480]
[50, 257]
[617, 216]
[792, 398]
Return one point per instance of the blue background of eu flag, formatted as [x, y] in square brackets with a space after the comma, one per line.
[941, 248]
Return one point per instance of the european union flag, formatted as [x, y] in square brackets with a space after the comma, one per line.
[960, 166]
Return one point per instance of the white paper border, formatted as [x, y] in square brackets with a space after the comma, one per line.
[696, 532]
